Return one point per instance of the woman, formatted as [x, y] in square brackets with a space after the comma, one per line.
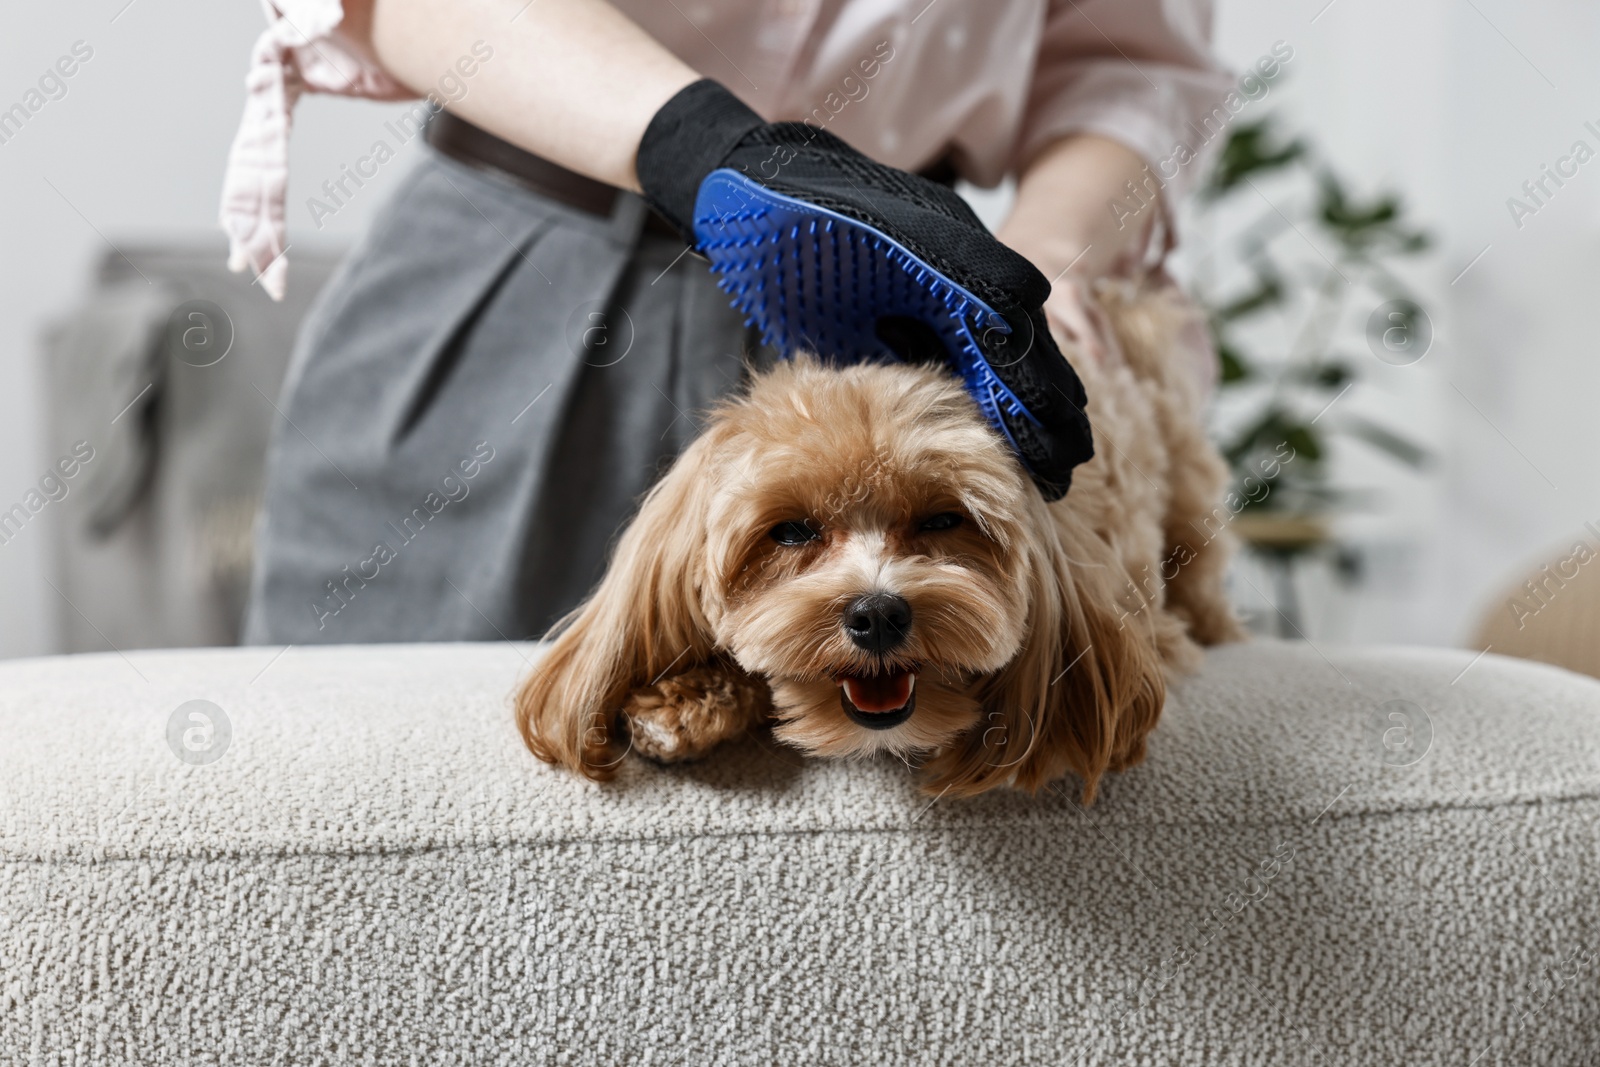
[519, 346]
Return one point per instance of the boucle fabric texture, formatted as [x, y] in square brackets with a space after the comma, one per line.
[1381, 856]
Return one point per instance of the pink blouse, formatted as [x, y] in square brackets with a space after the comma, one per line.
[905, 81]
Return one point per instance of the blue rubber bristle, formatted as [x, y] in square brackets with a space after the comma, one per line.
[753, 238]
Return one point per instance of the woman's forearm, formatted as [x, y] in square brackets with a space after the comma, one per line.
[573, 81]
[1064, 217]
[1065, 222]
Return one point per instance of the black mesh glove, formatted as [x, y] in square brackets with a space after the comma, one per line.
[825, 250]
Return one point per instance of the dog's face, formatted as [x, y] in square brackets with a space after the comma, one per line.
[869, 557]
[859, 538]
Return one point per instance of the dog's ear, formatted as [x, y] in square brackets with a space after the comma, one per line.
[644, 619]
[1084, 692]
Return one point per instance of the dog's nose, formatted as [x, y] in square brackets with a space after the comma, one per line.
[878, 622]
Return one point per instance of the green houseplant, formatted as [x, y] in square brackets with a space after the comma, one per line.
[1320, 261]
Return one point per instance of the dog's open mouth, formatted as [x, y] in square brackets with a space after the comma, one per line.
[878, 701]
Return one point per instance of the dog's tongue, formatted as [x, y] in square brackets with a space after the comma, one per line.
[879, 692]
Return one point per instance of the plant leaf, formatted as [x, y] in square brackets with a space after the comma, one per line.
[1234, 366]
[1304, 440]
[1325, 375]
[1271, 429]
[1385, 440]
[1268, 292]
[1251, 149]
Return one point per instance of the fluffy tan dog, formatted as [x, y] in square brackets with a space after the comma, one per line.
[852, 553]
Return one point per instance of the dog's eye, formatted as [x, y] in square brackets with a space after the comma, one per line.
[945, 520]
[793, 533]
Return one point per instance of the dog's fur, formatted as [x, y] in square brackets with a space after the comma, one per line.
[1041, 634]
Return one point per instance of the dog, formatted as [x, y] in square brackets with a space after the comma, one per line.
[851, 553]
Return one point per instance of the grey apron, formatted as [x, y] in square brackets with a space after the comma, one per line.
[474, 407]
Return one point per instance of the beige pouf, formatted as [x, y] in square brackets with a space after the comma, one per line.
[1385, 856]
[1551, 614]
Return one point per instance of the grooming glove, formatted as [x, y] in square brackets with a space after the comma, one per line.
[824, 250]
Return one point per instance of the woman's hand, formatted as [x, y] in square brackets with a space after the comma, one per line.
[1074, 220]
[782, 208]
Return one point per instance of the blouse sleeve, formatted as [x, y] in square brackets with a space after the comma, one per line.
[1139, 72]
[300, 51]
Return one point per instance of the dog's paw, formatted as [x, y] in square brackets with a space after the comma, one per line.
[684, 717]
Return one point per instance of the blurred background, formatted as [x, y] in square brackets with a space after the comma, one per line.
[1416, 341]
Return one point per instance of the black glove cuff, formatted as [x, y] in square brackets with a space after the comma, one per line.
[686, 140]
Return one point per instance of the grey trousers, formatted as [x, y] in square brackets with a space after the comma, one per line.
[474, 407]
